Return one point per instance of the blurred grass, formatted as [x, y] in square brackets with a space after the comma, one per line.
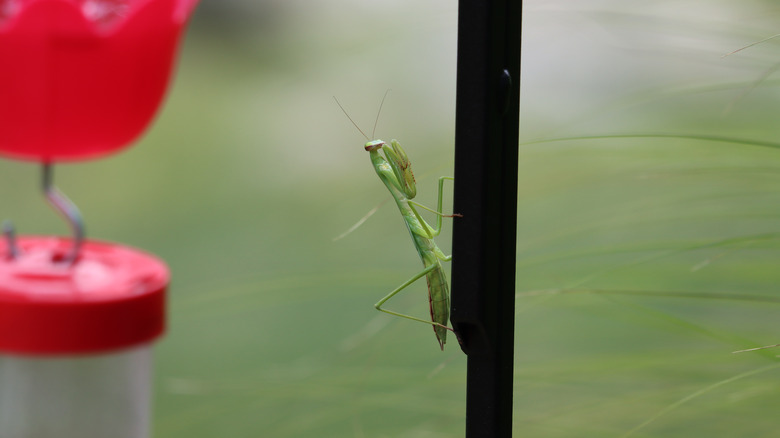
[642, 263]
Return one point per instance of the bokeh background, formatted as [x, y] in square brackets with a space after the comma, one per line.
[642, 262]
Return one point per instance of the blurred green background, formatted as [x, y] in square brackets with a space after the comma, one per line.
[642, 262]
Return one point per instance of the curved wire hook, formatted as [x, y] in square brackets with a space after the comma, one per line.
[64, 206]
[67, 209]
[10, 238]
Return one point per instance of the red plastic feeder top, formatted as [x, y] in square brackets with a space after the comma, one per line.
[112, 298]
[83, 78]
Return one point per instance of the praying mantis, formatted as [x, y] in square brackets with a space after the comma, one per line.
[394, 169]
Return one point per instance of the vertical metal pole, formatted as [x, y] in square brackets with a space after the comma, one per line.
[484, 239]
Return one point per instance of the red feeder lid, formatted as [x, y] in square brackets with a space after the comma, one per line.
[112, 298]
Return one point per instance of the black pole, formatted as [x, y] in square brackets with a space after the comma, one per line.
[484, 239]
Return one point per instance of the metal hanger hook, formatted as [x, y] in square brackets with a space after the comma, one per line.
[67, 209]
[10, 239]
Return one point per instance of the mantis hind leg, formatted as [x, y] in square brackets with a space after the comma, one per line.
[378, 305]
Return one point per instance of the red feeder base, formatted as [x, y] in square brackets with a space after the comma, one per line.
[112, 298]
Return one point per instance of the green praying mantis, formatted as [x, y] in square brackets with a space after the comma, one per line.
[394, 169]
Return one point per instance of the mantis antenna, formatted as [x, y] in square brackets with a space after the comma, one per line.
[381, 104]
[376, 121]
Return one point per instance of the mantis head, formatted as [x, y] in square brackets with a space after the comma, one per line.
[374, 145]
